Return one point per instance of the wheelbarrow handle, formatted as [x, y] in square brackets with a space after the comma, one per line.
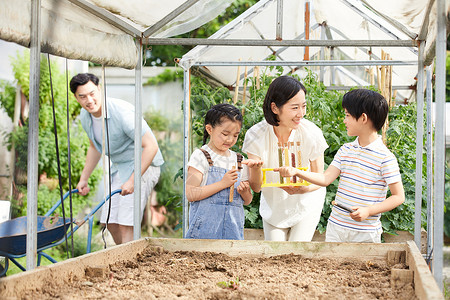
[59, 202]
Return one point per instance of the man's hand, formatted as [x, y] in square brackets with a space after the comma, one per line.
[360, 213]
[83, 188]
[128, 187]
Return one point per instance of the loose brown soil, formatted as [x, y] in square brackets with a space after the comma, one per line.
[159, 274]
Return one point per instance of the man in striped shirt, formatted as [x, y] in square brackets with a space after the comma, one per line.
[366, 168]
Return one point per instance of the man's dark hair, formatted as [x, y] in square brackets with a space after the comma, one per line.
[218, 113]
[82, 79]
[280, 91]
[373, 104]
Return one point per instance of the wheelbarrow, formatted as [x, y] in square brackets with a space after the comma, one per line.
[50, 233]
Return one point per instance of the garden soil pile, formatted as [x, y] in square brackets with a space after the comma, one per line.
[159, 274]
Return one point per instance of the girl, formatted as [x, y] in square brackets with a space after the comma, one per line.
[214, 188]
[288, 213]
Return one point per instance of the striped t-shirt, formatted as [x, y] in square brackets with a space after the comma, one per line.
[365, 173]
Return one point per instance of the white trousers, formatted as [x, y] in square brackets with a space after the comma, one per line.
[122, 206]
[337, 233]
[303, 231]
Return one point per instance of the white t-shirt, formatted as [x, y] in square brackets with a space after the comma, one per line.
[97, 128]
[198, 161]
[277, 207]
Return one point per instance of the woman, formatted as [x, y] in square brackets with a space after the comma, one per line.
[288, 213]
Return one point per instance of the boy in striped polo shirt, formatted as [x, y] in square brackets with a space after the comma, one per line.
[366, 168]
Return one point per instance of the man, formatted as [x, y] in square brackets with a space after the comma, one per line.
[120, 121]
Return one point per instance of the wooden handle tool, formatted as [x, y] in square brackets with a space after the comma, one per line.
[232, 189]
[342, 206]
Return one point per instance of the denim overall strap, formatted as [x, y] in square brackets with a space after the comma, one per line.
[215, 217]
[208, 157]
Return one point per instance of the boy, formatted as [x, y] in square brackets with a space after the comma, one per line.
[366, 168]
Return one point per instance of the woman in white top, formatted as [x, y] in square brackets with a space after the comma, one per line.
[289, 213]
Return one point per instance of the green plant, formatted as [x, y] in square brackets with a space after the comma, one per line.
[231, 285]
[166, 76]
[169, 189]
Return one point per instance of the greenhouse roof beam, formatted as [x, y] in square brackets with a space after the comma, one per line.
[426, 20]
[376, 23]
[275, 43]
[347, 88]
[164, 21]
[108, 17]
[391, 21]
[308, 63]
[345, 37]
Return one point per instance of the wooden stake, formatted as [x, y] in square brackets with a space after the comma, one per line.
[257, 77]
[245, 86]
[230, 199]
[236, 90]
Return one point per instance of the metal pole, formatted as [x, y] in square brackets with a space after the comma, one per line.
[279, 25]
[186, 112]
[137, 146]
[108, 17]
[429, 162]
[439, 175]
[274, 43]
[336, 63]
[172, 15]
[33, 134]
[419, 150]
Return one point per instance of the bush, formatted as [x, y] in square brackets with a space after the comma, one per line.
[48, 194]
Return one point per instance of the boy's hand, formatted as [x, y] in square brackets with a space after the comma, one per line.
[243, 187]
[360, 213]
[286, 171]
[253, 163]
[230, 178]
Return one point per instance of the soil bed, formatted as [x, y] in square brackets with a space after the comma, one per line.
[160, 274]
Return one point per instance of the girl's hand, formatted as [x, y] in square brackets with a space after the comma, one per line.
[286, 171]
[230, 178]
[243, 187]
[360, 213]
[291, 190]
[253, 163]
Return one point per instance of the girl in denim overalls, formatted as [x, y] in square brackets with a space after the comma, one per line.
[214, 186]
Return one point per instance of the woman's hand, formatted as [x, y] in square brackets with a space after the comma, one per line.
[291, 190]
[253, 163]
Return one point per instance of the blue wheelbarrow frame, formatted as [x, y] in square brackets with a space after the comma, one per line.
[50, 233]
